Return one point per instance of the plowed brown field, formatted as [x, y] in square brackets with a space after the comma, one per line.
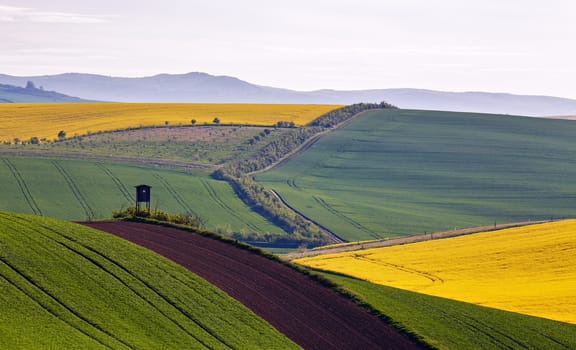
[310, 314]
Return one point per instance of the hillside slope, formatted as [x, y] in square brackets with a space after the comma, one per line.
[202, 87]
[402, 172]
[68, 286]
[312, 315]
[529, 269]
[453, 325]
[10, 93]
[65, 189]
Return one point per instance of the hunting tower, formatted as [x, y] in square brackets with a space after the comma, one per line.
[142, 196]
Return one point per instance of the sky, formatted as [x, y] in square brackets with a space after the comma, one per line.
[514, 46]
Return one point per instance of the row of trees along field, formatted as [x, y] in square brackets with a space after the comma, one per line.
[239, 173]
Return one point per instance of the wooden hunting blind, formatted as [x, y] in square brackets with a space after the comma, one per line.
[142, 196]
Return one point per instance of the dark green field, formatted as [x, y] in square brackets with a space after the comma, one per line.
[400, 172]
[449, 324]
[79, 190]
[68, 286]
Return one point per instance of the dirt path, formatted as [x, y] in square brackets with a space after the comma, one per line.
[404, 240]
[310, 314]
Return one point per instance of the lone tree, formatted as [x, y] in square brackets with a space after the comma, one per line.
[216, 120]
[30, 85]
[193, 121]
[62, 135]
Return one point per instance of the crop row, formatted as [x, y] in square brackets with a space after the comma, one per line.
[68, 286]
[24, 190]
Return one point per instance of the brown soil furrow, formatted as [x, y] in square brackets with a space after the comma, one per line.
[312, 315]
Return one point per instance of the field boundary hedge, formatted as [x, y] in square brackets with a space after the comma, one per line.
[239, 174]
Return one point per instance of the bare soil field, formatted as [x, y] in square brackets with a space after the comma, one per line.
[310, 314]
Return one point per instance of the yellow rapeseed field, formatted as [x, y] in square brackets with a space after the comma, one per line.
[529, 270]
[46, 120]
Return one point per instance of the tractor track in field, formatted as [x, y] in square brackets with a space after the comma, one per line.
[188, 210]
[333, 237]
[33, 290]
[312, 315]
[109, 265]
[307, 144]
[427, 275]
[75, 190]
[23, 187]
[53, 305]
[214, 196]
[119, 184]
[342, 216]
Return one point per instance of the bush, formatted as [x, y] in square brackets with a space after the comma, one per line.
[159, 215]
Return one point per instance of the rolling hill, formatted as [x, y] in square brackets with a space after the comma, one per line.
[84, 190]
[452, 325]
[202, 87]
[69, 286]
[401, 172]
[526, 270]
[10, 94]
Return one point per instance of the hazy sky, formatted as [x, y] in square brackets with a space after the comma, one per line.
[517, 46]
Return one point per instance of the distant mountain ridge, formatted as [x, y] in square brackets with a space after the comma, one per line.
[11, 93]
[203, 87]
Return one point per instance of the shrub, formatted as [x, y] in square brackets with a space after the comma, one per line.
[159, 215]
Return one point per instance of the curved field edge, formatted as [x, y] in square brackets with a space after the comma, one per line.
[448, 324]
[310, 314]
[528, 269]
[400, 172]
[69, 285]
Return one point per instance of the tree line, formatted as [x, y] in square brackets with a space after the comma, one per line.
[238, 173]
